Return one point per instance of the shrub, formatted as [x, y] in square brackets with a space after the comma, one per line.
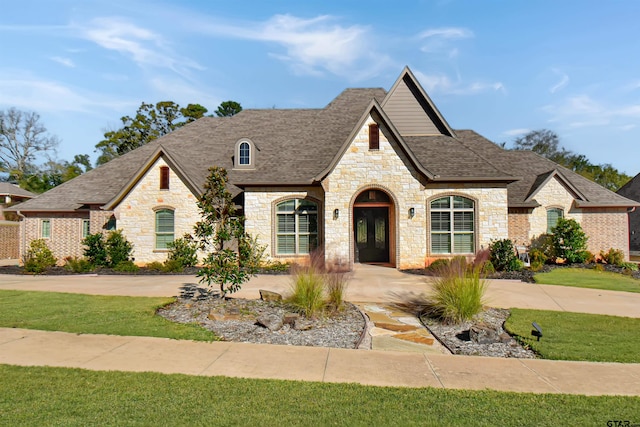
[336, 280]
[629, 266]
[118, 248]
[39, 257]
[78, 265]
[458, 293]
[126, 267]
[438, 264]
[598, 267]
[537, 256]
[503, 255]
[544, 244]
[172, 266]
[184, 251]
[155, 266]
[275, 266]
[590, 258]
[613, 257]
[95, 250]
[569, 241]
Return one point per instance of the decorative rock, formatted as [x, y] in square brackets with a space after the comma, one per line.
[270, 296]
[214, 315]
[272, 322]
[302, 325]
[291, 319]
[483, 333]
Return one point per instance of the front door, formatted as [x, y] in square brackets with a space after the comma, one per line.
[371, 229]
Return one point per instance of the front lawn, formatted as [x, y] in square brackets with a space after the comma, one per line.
[59, 396]
[93, 314]
[587, 278]
[578, 336]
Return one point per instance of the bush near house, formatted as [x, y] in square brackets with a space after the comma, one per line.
[503, 256]
[569, 241]
[39, 257]
[113, 251]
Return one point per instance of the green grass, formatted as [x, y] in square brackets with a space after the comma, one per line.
[577, 336]
[59, 396]
[91, 314]
[585, 278]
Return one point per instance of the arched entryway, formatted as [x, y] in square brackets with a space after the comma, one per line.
[374, 228]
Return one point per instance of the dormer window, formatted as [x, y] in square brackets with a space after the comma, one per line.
[164, 178]
[244, 156]
[374, 137]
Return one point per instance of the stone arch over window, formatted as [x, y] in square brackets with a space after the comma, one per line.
[296, 225]
[554, 213]
[244, 154]
[453, 224]
[164, 227]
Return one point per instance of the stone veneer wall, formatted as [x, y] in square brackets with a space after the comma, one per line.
[552, 195]
[259, 208]
[135, 214]
[66, 233]
[606, 228]
[9, 239]
[388, 169]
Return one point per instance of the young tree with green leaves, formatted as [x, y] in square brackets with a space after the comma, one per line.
[230, 257]
[228, 109]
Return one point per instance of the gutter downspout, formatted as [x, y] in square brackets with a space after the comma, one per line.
[23, 231]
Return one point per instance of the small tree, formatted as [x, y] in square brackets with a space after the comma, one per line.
[109, 251]
[503, 256]
[569, 241]
[230, 252]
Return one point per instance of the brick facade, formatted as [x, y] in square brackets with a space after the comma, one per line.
[9, 240]
[65, 239]
[519, 226]
[606, 228]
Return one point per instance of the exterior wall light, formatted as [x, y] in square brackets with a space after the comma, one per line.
[412, 212]
[336, 214]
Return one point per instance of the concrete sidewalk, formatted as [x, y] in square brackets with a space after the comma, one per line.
[381, 368]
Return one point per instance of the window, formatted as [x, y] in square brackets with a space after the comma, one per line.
[245, 153]
[164, 228]
[297, 227]
[553, 215]
[45, 229]
[86, 227]
[374, 137]
[110, 225]
[452, 225]
[164, 178]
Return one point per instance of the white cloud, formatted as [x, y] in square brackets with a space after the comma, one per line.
[516, 132]
[441, 83]
[446, 33]
[582, 111]
[143, 46]
[64, 61]
[439, 40]
[564, 81]
[312, 46]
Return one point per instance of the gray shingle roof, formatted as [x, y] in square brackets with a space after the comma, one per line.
[631, 190]
[8, 189]
[294, 146]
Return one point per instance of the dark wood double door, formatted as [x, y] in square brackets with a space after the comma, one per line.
[371, 234]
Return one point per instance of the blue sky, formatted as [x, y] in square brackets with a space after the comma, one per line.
[501, 68]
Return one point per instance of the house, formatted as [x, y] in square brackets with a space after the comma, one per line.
[631, 190]
[10, 194]
[376, 176]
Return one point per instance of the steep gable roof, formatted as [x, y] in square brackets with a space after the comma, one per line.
[411, 109]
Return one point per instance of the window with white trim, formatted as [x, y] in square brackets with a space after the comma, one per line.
[553, 215]
[297, 227]
[452, 225]
[244, 153]
[45, 229]
[164, 228]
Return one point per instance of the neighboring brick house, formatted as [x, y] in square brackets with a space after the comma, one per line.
[10, 194]
[631, 190]
[375, 176]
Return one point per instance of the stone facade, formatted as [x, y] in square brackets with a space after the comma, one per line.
[135, 214]
[552, 195]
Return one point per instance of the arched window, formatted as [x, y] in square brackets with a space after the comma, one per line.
[164, 228]
[244, 155]
[452, 225]
[553, 215]
[297, 227]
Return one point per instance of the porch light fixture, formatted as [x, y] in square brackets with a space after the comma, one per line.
[336, 213]
[412, 212]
